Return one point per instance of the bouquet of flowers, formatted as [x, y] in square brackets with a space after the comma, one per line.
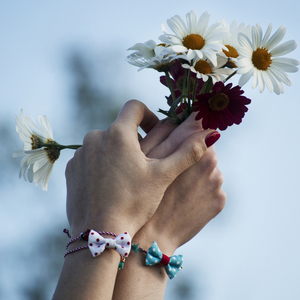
[198, 62]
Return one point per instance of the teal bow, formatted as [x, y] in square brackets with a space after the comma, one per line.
[154, 256]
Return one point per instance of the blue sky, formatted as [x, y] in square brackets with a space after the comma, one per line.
[251, 250]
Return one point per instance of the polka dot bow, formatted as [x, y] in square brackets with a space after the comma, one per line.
[97, 243]
[172, 264]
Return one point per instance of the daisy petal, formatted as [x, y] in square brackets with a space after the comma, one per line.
[276, 38]
[266, 36]
[284, 48]
[245, 78]
[284, 67]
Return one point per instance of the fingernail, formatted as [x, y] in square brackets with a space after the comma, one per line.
[212, 138]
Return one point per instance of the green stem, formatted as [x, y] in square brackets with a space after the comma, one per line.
[207, 86]
[232, 74]
[61, 147]
[170, 85]
[194, 89]
[184, 87]
[189, 86]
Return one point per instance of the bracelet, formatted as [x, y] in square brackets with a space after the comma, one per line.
[84, 236]
[154, 256]
[97, 243]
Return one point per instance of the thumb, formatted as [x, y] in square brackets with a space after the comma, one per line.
[188, 153]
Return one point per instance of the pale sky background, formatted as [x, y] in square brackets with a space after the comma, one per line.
[251, 250]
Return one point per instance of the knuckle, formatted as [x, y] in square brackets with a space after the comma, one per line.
[71, 164]
[220, 195]
[220, 201]
[133, 102]
[196, 152]
[219, 177]
[91, 136]
[210, 162]
[115, 134]
[116, 129]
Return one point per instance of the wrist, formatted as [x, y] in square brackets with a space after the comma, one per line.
[150, 233]
[113, 225]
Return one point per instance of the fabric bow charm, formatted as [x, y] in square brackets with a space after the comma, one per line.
[172, 264]
[97, 243]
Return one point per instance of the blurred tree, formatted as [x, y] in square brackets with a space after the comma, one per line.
[184, 287]
[44, 263]
[95, 105]
[8, 164]
[88, 111]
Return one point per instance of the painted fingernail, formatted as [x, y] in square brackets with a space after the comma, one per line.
[212, 138]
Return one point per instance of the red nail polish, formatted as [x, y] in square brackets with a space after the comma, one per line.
[212, 138]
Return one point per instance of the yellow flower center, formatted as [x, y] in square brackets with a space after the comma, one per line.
[232, 52]
[163, 67]
[261, 59]
[203, 67]
[218, 102]
[36, 142]
[193, 41]
[52, 152]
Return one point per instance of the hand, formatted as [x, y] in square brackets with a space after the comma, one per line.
[112, 185]
[191, 201]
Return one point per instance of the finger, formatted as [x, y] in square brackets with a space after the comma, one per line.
[207, 163]
[134, 114]
[157, 135]
[200, 170]
[140, 138]
[187, 154]
[175, 138]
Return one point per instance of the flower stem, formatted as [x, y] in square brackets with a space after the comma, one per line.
[194, 89]
[61, 147]
[207, 86]
[170, 85]
[230, 76]
[189, 86]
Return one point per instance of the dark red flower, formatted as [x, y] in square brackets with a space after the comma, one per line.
[177, 78]
[221, 108]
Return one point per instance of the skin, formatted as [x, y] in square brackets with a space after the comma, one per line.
[112, 185]
[190, 202]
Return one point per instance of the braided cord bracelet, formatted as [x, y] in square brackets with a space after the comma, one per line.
[84, 236]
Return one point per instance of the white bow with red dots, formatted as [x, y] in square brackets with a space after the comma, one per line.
[97, 243]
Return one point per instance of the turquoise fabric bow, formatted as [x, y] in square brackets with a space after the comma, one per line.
[155, 256]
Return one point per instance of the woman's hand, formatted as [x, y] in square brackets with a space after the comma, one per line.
[190, 202]
[112, 185]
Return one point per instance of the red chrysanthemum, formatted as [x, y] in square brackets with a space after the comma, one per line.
[221, 108]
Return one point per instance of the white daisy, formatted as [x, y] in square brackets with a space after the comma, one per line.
[261, 58]
[196, 39]
[38, 158]
[231, 39]
[150, 55]
[205, 69]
